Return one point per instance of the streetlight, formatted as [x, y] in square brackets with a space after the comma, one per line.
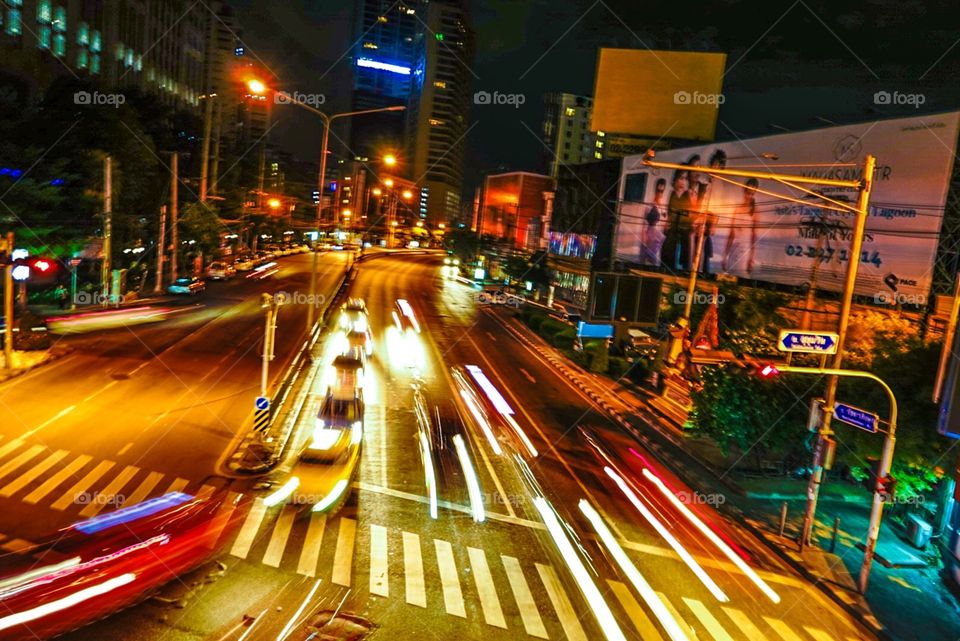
[388, 182]
[258, 87]
[407, 194]
[389, 160]
[274, 203]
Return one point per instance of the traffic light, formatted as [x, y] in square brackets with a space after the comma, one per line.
[767, 370]
[885, 487]
[41, 265]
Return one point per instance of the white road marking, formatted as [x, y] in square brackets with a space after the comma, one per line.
[49, 421]
[743, 622]
[416, 589]
[71, 496]
[54, 481]
[224, 514]
[179, 485]
[310, 555]
[343, 557]
[561, 604]
[648, 631]
[676, 615]
[379, 571]
[11, 465]
[278, 539]
[489, 601]
[707, 619]
[781, 628]
[153, 479]
[125, 449]
[449, 579]
[248, 531]
[529, 613]
[111, 493]
[31, 474]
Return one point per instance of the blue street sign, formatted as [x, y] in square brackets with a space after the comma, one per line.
[857, 417]
[262, 403]
[796, 340]
[594, 330]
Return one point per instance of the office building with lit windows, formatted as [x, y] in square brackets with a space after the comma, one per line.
[438, 108]
[567, 138]
[155, 45]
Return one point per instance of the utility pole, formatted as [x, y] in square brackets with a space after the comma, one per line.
[173, 217]
[8, 305]
[311, 308]
[215, 168]
[270, 304]
[107, 230]
[853, 266]
[205, 150]
[161, 249]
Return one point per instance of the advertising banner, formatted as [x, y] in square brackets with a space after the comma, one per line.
[757, 236]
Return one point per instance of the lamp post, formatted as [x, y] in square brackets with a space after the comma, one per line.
[258, 87]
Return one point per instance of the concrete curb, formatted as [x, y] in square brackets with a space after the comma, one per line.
[51, 358]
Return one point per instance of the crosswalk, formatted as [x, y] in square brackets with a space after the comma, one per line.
[462, 581]
[470, 583]
[79, 485]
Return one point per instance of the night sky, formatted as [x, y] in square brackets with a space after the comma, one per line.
[793, 65]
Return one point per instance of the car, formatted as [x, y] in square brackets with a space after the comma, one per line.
[244, 264]
[404, 318]
[345, 376]
[353, 314]
[263, 270]
[360, 338]
[220, 271]
[186, 286]
[328, 459]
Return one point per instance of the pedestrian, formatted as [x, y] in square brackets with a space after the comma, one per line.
[60, 294]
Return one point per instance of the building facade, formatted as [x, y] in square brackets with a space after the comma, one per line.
[516, 208]
[567, 138]
[438, 108]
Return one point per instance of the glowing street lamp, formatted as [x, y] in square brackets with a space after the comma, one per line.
[388, 182]
[408, 194]
[256, 87]
[274, 203]
[390, 160]
[376, 191]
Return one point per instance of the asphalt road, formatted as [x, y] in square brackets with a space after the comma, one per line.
[383, 559]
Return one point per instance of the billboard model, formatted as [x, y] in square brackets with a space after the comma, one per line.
[753, 235]
[660, 94]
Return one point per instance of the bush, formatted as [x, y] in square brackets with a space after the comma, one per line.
[534, 320]
[599, 357]
[550, 327]
[618, 367]
[564, 337]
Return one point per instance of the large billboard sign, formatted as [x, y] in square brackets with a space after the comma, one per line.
[661, 94]
[757, 236]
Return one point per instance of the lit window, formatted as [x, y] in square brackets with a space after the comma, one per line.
[59, 44]
[439, 36]
[138, 63]
[370, 45]
[119, 51]
[60, 20]
[13, 22]
[15, 3]
[599, 144]
[44, 12]
[440, 84]
[83, 58]
[95, 41]
[128, 57]
[382, 19]
[570, 111]
[43, 37]
[435, 122]
[95, 63]
[83, 34]
[597, 155]
[600, 134]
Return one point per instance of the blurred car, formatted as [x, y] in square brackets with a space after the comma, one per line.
[346, 374]
[220, 271]
[451, 260]
[353, 314]
[186, 286]
[361, 339]
[329, 458]
[263, 270]
[244, 264]
[404, 318]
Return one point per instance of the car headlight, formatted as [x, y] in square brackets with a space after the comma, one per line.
[446, 261]
[356, 434]
[324, 438]
[456, 261]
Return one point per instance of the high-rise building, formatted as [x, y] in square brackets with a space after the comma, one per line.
[383, 59]
[515, 207]
[438, 108]
[566, 132]
[157, 46]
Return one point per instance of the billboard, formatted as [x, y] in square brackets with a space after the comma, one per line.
[662, 94]
[761, 237]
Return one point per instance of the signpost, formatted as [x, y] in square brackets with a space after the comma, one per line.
[867, 421]
[261, 413]
[796, 340]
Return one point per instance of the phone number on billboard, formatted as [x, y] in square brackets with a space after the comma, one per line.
[829, 254]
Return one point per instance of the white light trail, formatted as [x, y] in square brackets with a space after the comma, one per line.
[473, 483]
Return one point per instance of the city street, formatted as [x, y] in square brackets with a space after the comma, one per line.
[383, 558]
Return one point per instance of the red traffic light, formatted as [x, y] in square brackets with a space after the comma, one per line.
[768, 370]
[42, 266]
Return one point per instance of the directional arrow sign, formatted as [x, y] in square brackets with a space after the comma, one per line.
[857, 417]
[797, 340]
[262, 403]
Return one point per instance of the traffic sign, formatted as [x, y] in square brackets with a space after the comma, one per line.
[262, 403]
[798, 340]
[857, 417]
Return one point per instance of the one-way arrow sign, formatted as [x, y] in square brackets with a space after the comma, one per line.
[797, 340]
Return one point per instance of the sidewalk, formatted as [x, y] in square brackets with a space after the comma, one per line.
[903, 580]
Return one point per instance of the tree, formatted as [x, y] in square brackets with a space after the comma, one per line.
[464, 244]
